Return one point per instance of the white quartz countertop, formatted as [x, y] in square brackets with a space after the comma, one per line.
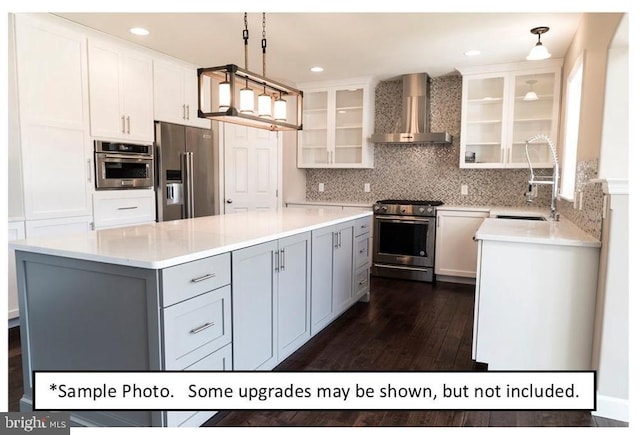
[165, 244]
[330, 204]
[539, 232]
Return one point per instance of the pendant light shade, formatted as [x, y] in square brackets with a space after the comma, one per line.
[539, 51]
[264, 104]
[224, 95]
[246, 99]
[280, 109]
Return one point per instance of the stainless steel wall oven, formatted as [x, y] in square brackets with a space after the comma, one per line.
[123, 165]
[404, 239]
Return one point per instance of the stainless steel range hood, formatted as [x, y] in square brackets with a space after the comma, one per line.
[415, 125]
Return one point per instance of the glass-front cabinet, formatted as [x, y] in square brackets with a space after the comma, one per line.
[502, 107]
[336, 126]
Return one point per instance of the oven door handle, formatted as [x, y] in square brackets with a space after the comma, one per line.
[404, 219]
[108, 157]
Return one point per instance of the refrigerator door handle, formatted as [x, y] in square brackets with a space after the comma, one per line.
[187, 182]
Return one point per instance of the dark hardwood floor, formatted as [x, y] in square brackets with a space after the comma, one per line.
[406, 326]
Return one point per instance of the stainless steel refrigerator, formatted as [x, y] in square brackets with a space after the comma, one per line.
[185, 172]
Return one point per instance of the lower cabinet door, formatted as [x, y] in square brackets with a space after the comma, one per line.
[343, 269]
[254, 314]
[219, 360]
[293, 294]
[322, 246]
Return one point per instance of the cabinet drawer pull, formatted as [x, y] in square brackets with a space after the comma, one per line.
[362, 227]
[187, 112]
[128, 208]
[362, 251]
[128, 125]
[202, 278]
[123, 123]
[184, 111]
[202, 328]
[362, 282]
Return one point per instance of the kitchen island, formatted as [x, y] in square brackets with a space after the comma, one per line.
[159, 296]
[535, 295]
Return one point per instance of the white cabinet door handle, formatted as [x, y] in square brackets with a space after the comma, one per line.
[276, 260]
[184, 111]
[123, 130]
[187, 112]
[282, 259]
[89, 170]
[202, 327]
[128, 125]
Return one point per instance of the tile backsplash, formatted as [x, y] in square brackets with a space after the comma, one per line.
[431, 172]
[428, 172]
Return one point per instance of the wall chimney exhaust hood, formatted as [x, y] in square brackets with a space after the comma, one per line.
[414, 126]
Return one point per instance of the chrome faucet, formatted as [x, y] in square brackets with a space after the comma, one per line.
[553, 180]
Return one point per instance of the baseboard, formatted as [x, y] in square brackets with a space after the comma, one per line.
[455, 279]
[612, 407]
[14, 322]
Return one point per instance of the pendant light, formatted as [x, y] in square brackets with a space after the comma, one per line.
[539, 51]
[235, 88]
[531, 94]
[264, 99]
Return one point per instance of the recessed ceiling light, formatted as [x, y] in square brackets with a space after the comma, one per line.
[317, 69]
[140, 31]
[472, 53]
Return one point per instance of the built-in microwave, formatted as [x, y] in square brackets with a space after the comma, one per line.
[123, 165]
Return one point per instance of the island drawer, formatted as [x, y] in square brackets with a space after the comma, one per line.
[362, 281]
[195, 328]
[187, 280]
[361, 251]
[362, 226]
[219, 360]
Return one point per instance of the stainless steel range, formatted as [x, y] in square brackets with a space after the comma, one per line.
[404, 237]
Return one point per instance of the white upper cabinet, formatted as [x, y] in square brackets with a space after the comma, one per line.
[175, 94]
[502, 107]
[337, 121]
[121, 92]
[57, 153]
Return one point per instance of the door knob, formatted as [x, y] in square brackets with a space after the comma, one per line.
[229, 201]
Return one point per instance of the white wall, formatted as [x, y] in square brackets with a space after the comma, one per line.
[614, 154]
[14, 174]
[611, 329]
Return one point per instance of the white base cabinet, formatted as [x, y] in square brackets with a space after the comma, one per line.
[456, 250]
[535, 305]
[271, 301]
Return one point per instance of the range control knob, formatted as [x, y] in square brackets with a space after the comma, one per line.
[384, 208]
[421, 210]
[403, 209]
[430, 210]
[376, 207]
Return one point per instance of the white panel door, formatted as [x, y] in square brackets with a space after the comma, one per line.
[168, 92]
[251, 169]
[107, 119]
[137, 88]
[57, 152]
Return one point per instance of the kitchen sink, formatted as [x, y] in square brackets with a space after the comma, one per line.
[524, 218]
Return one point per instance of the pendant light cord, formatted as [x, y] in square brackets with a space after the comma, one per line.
[264, 45]
[245, 36]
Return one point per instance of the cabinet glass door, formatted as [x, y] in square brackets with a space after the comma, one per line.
[484, 104]
[348, 126]
[532, 115]
[313, 137]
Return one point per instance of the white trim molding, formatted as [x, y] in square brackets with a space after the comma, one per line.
[612, 407]
[613, 186]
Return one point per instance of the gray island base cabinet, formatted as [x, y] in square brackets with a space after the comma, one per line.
[246, 307]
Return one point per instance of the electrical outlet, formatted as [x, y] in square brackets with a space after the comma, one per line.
[367, 187]
[320, 187]
[464, 189]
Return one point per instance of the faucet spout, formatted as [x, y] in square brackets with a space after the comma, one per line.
[554, 181]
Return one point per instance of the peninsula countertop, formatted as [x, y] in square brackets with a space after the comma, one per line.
[165, 244]
[549, 232]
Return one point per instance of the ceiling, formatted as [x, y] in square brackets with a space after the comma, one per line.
[346, 45]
